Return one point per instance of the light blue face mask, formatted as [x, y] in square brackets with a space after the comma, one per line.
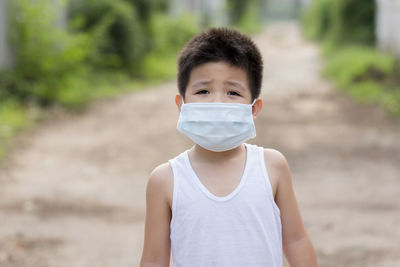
[217, 126]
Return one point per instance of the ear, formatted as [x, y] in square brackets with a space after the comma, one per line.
[257, 107]
[178, 101]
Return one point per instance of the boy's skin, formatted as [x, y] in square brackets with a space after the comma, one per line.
[221, 172]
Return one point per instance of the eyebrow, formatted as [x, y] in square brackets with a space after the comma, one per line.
[201, 82]
[236, 84]
[207, 81]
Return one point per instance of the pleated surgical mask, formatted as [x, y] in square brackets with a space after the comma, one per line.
[217, 126]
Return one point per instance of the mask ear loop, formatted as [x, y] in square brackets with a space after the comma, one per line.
[252, 104]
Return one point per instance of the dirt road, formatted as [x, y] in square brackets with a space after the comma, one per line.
[72, 193]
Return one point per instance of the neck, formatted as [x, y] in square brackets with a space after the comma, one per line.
[205, 155]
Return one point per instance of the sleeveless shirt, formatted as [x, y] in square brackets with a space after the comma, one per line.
[242, 229]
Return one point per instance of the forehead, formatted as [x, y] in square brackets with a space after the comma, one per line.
[218, 72]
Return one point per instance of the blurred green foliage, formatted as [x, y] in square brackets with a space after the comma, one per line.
[250, 21]
[317, 19]
[54, 63]
[353, 21]
[102, 45]
[341, 21]
[45, 56]
[346, 29]
[246, 15]
[171, 34]
[367, 75]
[118, 36]
[236, 10]
[102, 48]
[361, 64]
[13, 118]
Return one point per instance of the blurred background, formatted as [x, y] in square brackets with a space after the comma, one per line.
[86, 112]
[65, 53]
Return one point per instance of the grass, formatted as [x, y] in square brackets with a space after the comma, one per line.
[366, 74]
[13, 118]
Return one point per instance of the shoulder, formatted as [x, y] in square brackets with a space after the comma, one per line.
[160, 182]
[277, 167]
[158, 174]
[275, 158]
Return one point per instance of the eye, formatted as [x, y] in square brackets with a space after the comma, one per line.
[233, 93]
[202, 92]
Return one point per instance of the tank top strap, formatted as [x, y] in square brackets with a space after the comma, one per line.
[177, 165]
[265, 174]
[259, 174]
[184, 187]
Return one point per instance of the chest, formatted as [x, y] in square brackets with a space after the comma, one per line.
[220, 179]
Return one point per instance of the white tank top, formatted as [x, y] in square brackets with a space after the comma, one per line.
[240, 229]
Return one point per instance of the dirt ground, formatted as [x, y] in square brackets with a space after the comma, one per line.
[72, 191]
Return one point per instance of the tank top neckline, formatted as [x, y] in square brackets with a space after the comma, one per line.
[204, 188]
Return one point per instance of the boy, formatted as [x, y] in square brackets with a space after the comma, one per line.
[223, 202]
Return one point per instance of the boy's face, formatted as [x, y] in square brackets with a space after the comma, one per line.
[218, 82]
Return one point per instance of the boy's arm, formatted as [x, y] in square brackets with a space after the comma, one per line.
[297, 244]
[156, 248]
